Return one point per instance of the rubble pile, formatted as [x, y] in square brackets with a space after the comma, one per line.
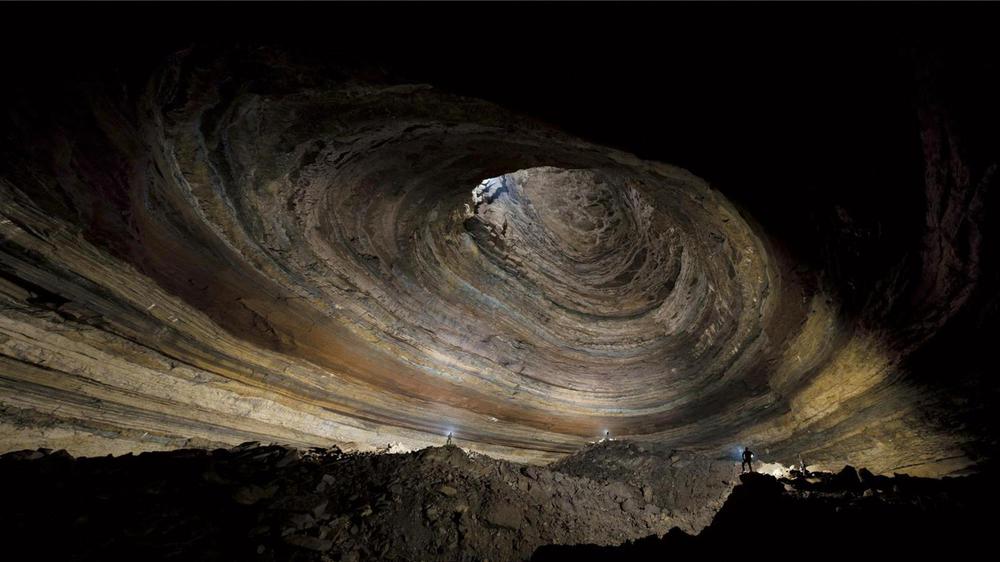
[610, 501]
[277, 503]
[691, 486]
[849, 513]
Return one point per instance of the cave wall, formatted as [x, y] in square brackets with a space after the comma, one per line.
[231, 244]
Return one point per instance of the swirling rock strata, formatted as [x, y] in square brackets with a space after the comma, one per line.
[241, 247]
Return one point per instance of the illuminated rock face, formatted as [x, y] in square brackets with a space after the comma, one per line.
[235, 254]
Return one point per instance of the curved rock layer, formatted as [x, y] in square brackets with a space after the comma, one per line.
[242, 248]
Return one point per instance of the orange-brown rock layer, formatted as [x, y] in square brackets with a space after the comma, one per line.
[242, 246]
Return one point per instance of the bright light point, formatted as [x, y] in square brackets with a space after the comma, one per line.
[487, 190]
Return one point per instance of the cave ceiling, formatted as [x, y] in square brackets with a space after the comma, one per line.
[216, 243]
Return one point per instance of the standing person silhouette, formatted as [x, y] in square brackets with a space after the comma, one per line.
[747, 461]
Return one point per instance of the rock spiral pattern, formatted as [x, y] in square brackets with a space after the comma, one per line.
[228, 253]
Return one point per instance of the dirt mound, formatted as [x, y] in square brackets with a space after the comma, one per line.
[850, 513]
[689, 486]
[275, 503]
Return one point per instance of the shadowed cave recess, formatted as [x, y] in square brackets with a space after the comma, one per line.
[207, 242]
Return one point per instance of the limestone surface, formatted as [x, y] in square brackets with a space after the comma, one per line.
[237, 245]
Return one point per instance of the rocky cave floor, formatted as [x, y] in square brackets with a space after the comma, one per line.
[613, 500]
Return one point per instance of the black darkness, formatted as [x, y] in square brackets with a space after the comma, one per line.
[785, 108]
